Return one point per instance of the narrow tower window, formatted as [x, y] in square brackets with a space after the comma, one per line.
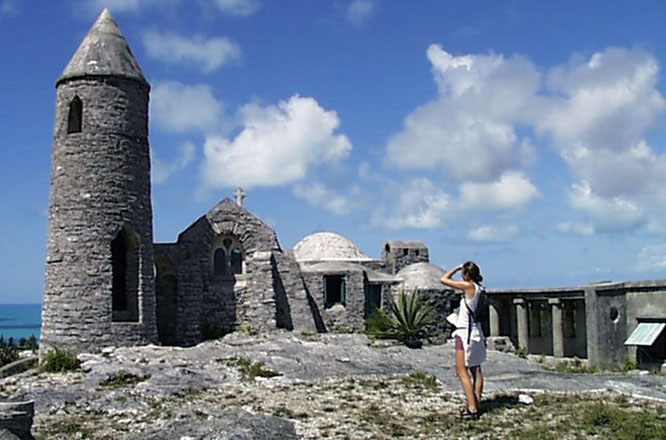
[75, 117]
[119, 264]
[124, 284]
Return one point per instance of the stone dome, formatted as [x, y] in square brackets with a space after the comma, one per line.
[422, 276]
[328, 246]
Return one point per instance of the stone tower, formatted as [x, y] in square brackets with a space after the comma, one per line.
[100, 287]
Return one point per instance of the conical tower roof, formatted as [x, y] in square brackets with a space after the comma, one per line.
[104, 51]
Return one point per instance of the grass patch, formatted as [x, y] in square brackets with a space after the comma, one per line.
[575, 366]
[420, 379]
[251, 370]
[123, 379]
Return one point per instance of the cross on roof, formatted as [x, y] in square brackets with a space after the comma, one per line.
[240, 196]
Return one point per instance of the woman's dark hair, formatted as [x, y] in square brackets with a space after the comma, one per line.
[472, 271]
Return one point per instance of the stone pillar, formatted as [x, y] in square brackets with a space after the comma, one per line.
[521, 315]
[493, 317]
[558, 334]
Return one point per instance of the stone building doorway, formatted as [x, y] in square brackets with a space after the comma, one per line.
[166, 287]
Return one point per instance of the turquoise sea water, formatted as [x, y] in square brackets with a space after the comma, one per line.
[20, 320]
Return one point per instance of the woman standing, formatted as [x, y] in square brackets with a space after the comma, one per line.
[469, 339]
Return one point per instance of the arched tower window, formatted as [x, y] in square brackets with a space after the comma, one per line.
[75, 116]
[119, 267]
[227, 258]
[124, 284]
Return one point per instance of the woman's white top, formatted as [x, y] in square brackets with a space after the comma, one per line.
[474, 343]
[463, 314]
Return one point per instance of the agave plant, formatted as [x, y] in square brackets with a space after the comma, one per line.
[405, 320]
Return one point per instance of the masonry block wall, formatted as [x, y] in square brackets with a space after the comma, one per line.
[345, 317]
[399, 254]
[606, 309]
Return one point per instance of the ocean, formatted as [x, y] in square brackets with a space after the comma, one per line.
[20, 320]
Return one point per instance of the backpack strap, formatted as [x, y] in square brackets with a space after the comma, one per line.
[472, 314]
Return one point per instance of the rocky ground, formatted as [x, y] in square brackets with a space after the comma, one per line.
[294, 386]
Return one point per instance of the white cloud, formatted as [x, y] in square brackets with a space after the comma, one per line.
[208, 53]
[605, 102]
[493, 234]
[596, 112]
[468, 130]
[241, 8]
[278, 145]
[575, 228]
[319, 195]
[608, 213]
[360, 10]
[178, 107]
[161, 171]
[419, 204]
[651, 258]
[512, 190]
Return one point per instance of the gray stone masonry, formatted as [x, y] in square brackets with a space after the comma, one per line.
[296, 307]
[398, 254]
[16, 420]
[348, 317]
[100, 185]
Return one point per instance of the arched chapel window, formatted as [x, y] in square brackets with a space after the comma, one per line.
[236, 261]
[219, 262]
[75, 116]
[227, 257]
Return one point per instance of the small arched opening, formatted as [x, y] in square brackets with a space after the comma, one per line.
[166, 286]
[75, 116]
[125, 276]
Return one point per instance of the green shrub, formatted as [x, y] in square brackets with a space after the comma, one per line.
[629, 364]
[406, 319]
[60, 360]
[7, 356]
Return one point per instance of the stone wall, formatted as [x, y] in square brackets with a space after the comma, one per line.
[398, 254]
[439, 330]
[296, 308]
[338, 318]
[606, 308]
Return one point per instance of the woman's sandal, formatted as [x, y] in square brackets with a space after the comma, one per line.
[466, 414]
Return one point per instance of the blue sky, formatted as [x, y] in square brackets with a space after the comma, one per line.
[527, 136]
